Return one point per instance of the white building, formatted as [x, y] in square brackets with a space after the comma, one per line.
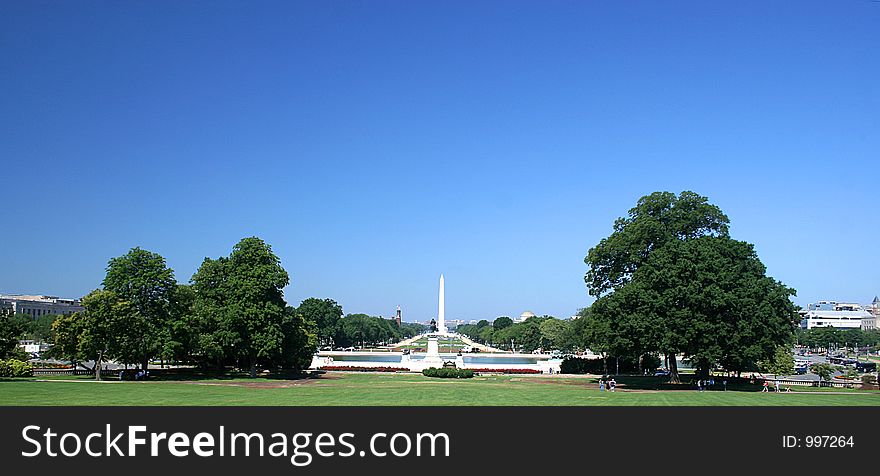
[525, 316]
[838, 315]
[36, 306]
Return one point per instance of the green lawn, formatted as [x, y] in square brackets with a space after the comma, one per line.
[393, 389]
[445, 344]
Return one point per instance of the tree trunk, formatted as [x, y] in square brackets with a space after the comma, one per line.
[673, 369]
[703, 370]
[98, 366]
[253, 368]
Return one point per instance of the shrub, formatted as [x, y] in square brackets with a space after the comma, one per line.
[15, 368]
[449, 372]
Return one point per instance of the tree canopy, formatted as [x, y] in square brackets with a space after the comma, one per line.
[657, 219]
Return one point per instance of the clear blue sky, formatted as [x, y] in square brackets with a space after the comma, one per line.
[375, 145]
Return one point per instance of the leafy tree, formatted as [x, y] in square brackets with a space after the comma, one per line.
[487, 335]
[411, 329]
[715, 303]
[180, 337]
[361, 329]
[670, 280]
[554, 333]
[502, 322]
[244, 294]
[99, 326]
[66, 330]
[40, 328]
[469, 330]
[300, 340]
[823, 370]
[10, 333]
[325, 313]
[782, 362]
[33, 328]
[141, 278]
[215, 337]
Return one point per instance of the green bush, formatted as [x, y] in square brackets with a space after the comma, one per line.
[15, 368]
[449, 372]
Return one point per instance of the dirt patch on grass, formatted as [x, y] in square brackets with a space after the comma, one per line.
[558, 381]
[264, 383]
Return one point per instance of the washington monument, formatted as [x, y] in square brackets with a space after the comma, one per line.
[441, 312]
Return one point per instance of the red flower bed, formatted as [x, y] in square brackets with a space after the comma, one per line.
[508, 371]
[351, 368]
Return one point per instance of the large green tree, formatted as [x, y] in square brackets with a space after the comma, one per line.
[670, 280]
[142, 278]
[242, 309]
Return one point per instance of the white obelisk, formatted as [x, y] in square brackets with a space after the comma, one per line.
[441, 311]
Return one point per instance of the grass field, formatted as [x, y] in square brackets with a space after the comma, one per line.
[396, 389]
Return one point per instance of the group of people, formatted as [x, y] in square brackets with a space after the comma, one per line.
[710, 382]
[139, 375]
[775, 386]
[611, 384]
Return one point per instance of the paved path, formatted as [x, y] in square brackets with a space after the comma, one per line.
[465, 339]
[482, 347]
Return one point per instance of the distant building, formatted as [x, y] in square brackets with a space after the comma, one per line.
[36, 306]
[874, 309]
[525, 316]
[838, 315]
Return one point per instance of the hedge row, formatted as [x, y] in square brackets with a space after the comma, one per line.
[449, 372]
[15, 368]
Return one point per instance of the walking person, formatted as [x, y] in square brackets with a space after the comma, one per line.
[766, 387]
[612, 384]
[776, 383]
[601, 384]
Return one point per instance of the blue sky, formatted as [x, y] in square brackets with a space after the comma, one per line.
[375, 145]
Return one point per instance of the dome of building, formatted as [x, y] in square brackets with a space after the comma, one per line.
[526, 315]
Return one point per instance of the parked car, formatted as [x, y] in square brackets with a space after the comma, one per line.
[865, 367]
[661, 373]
